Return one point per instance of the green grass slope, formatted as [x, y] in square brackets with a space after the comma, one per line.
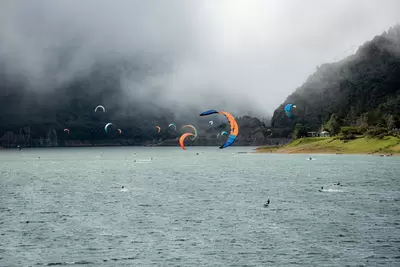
[363, 145]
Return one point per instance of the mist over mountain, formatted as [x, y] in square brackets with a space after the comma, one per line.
[72, 104]
[30, 117]
[152, 52]
[57, 65]
[157, 62]
[360, 90]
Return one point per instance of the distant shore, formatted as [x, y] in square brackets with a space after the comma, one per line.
[387, 146]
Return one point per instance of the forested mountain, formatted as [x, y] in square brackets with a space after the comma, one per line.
[362, 90]
[37, 117]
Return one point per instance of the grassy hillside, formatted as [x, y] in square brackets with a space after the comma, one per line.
[362, 145]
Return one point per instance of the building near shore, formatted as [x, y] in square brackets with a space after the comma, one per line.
[318, 134]
[324, 134]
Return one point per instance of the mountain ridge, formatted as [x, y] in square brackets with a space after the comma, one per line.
[362, 88]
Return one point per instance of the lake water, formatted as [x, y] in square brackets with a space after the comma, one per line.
[183, 209]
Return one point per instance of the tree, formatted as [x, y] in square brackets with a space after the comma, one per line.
[390, 122]
[351, 116]
[333, 125]
[299, 131]
[363, 122]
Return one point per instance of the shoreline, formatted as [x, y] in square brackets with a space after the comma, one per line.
[387, 146]
[118, 145]
[327, 153]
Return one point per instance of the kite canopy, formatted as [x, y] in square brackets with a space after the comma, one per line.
[288, 110]
[209, 112]
[101, 107]
[234, 126]
[172, 125]
[67, 130]
[194, 130]
[107, 125]
[222, 133]
[120, 131]
[158, 128]
[182, 140]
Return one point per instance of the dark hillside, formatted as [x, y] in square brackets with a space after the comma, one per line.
[362, 88]
[38, 117]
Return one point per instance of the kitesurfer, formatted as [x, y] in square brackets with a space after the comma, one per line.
[266, 205]
[322, 188]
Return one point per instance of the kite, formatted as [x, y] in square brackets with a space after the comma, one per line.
[288, 110]
[182, 140]
[234, 126]
[194, 130]
[100, 106]
[172, 124]
[107, 125]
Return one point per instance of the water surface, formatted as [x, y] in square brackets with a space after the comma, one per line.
[66, 207]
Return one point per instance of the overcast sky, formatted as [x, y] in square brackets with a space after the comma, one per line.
[259, 50]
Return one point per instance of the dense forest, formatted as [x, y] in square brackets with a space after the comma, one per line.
[360, 93]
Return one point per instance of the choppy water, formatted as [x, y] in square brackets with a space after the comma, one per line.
[183, 209]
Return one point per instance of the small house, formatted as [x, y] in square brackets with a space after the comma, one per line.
[312, 134]
[324, 134]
